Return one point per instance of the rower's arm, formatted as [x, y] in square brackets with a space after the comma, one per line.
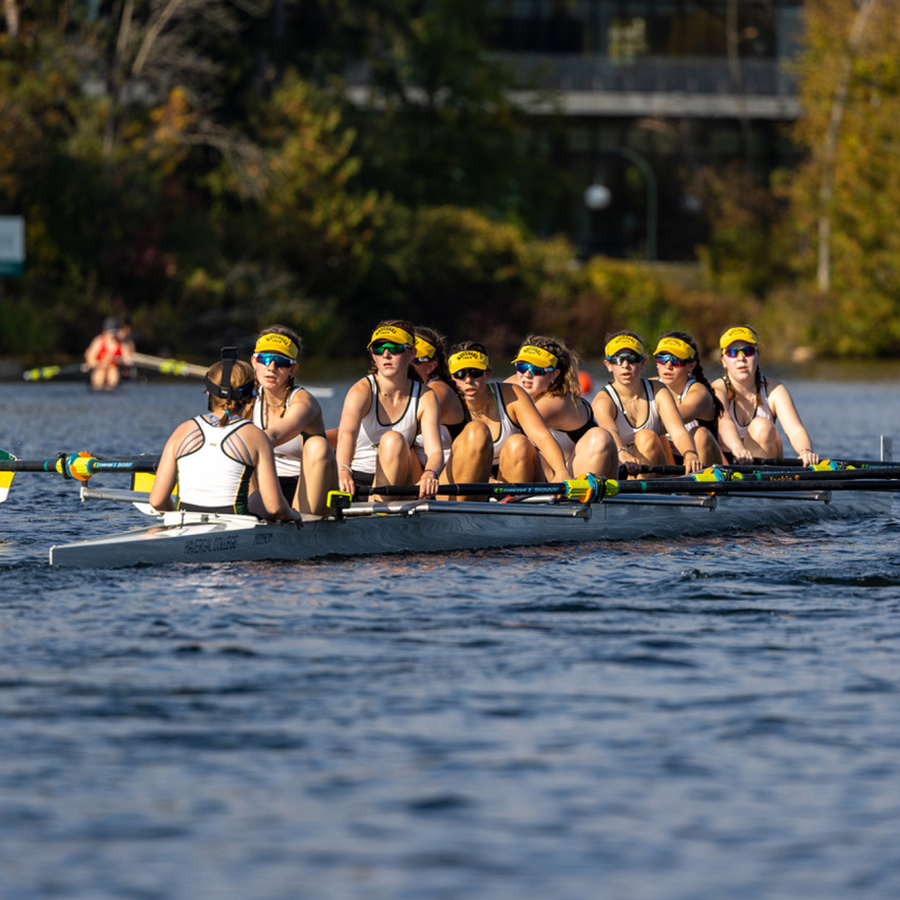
[355, 407]
[303, 414]
[729, 439]
[782, 405]
[269, 489]
[166, 476]
[522, 411]
[430, 427]
[674, 425]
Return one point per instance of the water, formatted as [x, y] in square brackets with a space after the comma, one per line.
[681, 720]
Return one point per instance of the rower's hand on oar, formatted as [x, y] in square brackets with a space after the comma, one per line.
[630, 461]
[808, 457]
[428, 485]
[345, 480]
[741, 455]
[692, 463]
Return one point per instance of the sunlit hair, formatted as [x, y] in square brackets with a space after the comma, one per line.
[698, 374]
[439, 342]
[241, 375]
[441, 371]
[289, 383]
[411, 371]
[566, 381]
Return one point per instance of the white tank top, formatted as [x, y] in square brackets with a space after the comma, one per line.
[762, 411]
[208, 477]
[506, 425]
[288, 454]
[623, 426]
[371, 430]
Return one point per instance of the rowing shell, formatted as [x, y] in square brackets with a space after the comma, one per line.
[441, 525]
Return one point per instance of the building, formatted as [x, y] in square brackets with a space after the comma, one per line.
[645, 94]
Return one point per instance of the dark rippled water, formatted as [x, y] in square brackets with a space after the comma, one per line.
[686, 719]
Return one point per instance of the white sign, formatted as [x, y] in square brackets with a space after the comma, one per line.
[12, 245]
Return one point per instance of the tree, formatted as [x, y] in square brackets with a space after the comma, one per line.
[845, 196]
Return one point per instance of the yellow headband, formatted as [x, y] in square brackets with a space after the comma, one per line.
[738, 333]
[392, 333]
[624, 342]
[277, 343]
[538, 356]
[676, 347]
[468, 359]
[424, 350]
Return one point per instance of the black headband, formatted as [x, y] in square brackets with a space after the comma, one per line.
[224, 390]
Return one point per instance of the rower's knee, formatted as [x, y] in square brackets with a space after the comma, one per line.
[392, 446]
[599, 448]
[317, 452]
[518, 451]
[649, 445]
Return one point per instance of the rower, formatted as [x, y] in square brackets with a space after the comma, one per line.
[505, 434]
[637, 411]
[547, 370]
[681, 371]
[430, 362]
[212, 457]
[382, 415]
[754, 403]
[292, 420]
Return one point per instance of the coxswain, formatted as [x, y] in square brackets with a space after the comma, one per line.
[213, 457]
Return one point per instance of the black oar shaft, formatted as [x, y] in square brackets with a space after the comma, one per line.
[749, 487]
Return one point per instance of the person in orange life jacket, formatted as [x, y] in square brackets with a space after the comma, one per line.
[213, 457]
[105, 354]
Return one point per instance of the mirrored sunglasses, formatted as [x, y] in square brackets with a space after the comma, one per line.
[621, 358]
[735, 352]
[423, 359]
[389, 346]
[530, 368]
[463, 374]
[281, 362]
[667, 359]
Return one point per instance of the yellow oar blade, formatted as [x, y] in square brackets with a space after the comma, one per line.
[5, 477]
[5, 481]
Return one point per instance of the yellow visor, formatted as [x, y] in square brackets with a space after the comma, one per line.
[392, 333]
[624, 342]
[468, 359]
[538, 356]
[676, 347]
[277, 343]
[738, 333]
[424, 350]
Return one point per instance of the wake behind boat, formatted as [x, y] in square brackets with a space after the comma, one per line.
[442, 525]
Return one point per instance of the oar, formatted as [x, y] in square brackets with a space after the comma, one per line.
[45, 373]
[169, 366]
[79, 466]
[786, 462]
[5, 477]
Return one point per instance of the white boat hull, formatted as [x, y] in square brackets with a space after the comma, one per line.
[433, 526]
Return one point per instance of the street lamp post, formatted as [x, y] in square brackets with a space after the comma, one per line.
[597, 196]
